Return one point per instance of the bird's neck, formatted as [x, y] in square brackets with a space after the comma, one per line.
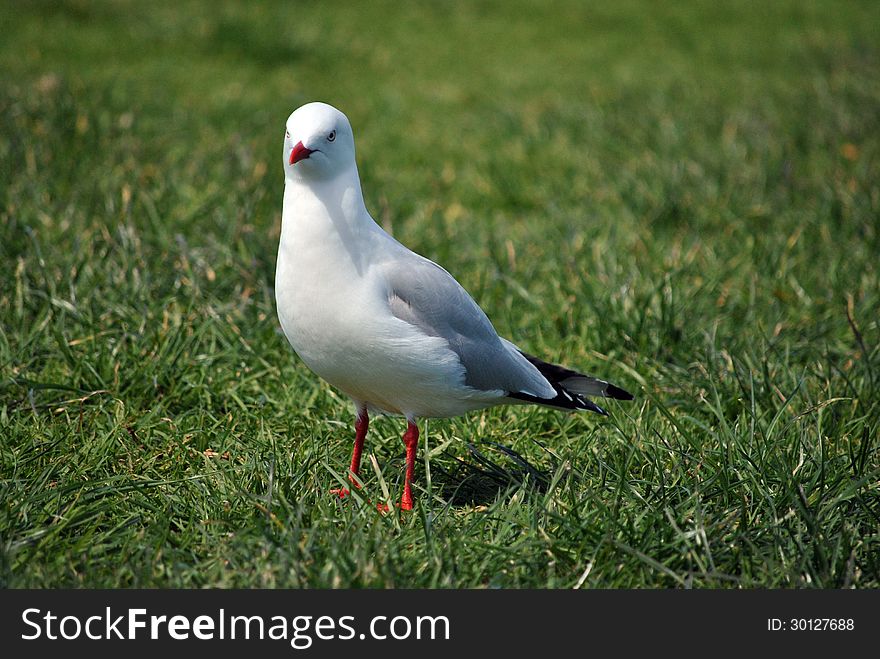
[323, 216]
[338, 201]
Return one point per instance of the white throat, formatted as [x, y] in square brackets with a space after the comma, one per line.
[324, 222]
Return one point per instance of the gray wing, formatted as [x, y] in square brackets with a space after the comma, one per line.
[425, 295]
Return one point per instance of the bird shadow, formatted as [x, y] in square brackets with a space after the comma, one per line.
[487, 473]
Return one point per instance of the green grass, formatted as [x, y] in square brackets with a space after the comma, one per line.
[683, 199]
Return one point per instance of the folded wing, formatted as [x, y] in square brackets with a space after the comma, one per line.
[423, 294]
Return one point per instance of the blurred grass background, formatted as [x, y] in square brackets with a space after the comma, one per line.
[681, 198]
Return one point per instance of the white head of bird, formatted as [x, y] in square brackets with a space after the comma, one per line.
[318, 143]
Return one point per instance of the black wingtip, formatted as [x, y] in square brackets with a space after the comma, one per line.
[557, 374]
[564, 400]
[617, 393]
[596, 408]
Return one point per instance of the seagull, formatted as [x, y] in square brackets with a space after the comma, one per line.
[391, 329]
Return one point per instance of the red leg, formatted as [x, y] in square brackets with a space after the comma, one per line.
[411, 439]
[361, 425]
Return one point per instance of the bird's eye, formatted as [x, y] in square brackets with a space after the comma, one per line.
[287, 134]
[331, 136]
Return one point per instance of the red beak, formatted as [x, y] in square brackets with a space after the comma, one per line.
[299, 153]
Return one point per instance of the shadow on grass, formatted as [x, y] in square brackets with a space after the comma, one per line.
[488, 473]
